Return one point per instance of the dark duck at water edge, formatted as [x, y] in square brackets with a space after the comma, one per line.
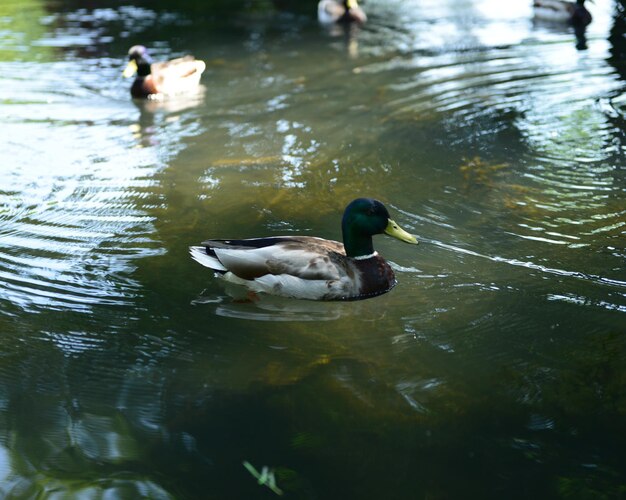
[562, 11]
[153, 80]
[340, 11]
[307, 267]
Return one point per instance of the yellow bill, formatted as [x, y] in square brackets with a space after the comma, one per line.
[396, 231]
[352, 4]
[131, 69]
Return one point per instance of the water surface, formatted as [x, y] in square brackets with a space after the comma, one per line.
[495, 369]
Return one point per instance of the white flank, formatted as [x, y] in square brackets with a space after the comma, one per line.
[177, 83]
[292, 286]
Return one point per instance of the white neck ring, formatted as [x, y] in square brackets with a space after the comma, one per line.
[365, 257]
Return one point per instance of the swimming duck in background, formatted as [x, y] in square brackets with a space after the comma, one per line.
[562, 11]
[164, 78]
[340, 11]
[306, 267]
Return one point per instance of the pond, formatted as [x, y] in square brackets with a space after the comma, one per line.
[496, 368]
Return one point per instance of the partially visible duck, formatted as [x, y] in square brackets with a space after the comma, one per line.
[563, 11]
[177, 76]
[340, 11]
[306, 267]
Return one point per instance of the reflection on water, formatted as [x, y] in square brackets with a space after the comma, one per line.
[128, 372]
[239, 303]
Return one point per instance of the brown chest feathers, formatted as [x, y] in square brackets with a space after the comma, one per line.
[377, 277]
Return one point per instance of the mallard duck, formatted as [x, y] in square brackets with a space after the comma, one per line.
[306, 267]
[338, 11]
[164, 78]
[562, 11]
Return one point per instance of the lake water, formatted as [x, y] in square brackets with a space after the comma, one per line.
[495, 369]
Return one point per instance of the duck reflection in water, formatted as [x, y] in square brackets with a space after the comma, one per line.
[237, 303]
[563, 12]
[155, 113]
[342, 18]
[350, 33]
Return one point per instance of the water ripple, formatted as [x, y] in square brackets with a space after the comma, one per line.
[73, 202]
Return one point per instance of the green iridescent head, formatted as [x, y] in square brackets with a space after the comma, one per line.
[362, 219]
